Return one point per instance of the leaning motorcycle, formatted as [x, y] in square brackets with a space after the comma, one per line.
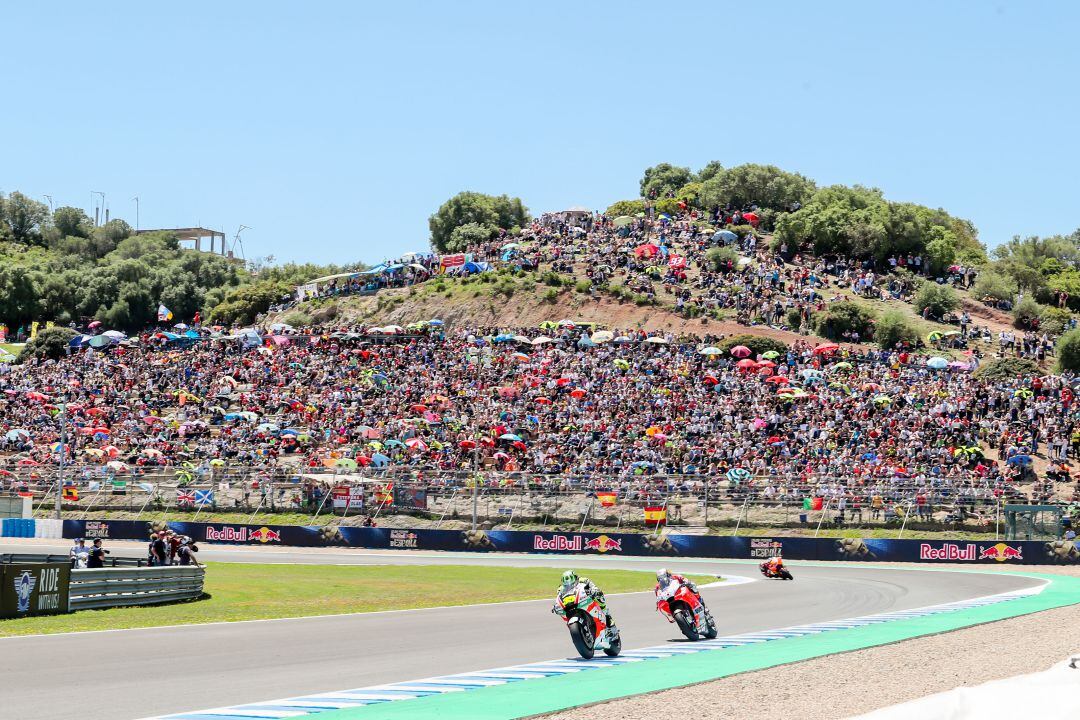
[587, 623]
[782, 574]
[682, 606]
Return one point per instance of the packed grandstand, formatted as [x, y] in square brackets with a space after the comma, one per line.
[569, 406]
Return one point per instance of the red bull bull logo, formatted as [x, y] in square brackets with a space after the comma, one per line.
[603, 544]
[1001, 552]
[265, 535]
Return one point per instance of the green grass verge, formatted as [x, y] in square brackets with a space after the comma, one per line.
[13, 348]
[257, 592]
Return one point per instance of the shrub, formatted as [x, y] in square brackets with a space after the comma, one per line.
[939, 299]
[793, 318]
[1068, 351]
[643, 300]
[297, 319]
[741, 230]
[1007, 369]
[50, 344]
[894, 328]
[756, 343]
[551, 296]
[991, 283]
[625, 207]
[583, 286]
[553, 279]
[1026, 314]
[1054, 320]
[718, 257]
[844, 317]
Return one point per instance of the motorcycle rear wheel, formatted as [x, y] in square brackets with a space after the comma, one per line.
[785, 575]
[583, 639]
[685, 625]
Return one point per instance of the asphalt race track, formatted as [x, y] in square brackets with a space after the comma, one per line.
[130, 674]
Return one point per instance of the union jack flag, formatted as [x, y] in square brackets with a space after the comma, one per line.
[184, 498]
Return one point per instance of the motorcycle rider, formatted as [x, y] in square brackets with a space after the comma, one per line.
[570, 580]
[665, 577]
[773, 566]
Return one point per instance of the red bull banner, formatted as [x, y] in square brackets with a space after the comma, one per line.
[1043, 552]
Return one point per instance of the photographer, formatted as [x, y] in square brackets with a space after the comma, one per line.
[97, 555]
[187, 551]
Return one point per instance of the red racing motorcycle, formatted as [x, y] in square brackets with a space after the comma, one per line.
[682, 606]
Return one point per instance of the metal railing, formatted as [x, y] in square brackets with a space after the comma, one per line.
[119, 587]
[16, 558]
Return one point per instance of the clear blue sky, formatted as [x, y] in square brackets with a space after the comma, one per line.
[334, 129]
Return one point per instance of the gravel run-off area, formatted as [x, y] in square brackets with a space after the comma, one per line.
[853, 683]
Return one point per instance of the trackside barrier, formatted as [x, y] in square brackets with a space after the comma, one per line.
[585, 543]
[119, 587]
[29, 527]
[110, 561]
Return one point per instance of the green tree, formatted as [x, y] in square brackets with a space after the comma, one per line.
[939, 299]
[72, 221]
[660, 180]
[892, 329]
[500, 212]
[625, 207]
[758, 344]
[1027, 313]
[50, 344]
[844, 317]
[1068, 351]
[468, 235]
[711, 170]
[21, 218]
[765, 185]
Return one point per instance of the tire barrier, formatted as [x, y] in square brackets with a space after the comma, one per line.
[573, 543]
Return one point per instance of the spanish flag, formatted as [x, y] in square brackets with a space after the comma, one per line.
[71, 493]
[655, 516]
[607, 499]
[385, 494]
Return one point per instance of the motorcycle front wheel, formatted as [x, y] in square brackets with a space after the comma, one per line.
[685, 625]
[785, 575]
[711, 631]
[583, 639]
[615, 648]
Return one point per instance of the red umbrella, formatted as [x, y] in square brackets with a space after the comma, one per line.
[777, 380]
[646, 250]
[826, 348]
[740, 351]
[746, 364]
[363, 460]
[418, 408]
[751, 218]
[562, 382]
[519, 445]
[578, 393]
[766, 363]
[543, 401]
[709, 380]
[467, 444]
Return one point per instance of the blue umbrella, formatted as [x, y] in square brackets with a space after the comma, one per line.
[738, 474]
[1019, 460]
[437, 322]
[286, 431]
[937, 363]
[380, 460]
[725, 235]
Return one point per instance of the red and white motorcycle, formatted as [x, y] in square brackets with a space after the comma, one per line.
[682, 606]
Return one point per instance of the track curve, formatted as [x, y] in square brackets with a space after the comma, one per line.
[151, 671]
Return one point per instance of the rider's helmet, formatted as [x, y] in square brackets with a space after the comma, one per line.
[663, 576]
[569, 579]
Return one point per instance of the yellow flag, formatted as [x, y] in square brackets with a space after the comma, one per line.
[33, 329]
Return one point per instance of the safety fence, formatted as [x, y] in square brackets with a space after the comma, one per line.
[123, 586]
[22, 558]
[575, 543]
[508, 498]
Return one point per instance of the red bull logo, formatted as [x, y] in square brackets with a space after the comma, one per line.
[948, 551]
[559, 543]
[1001, 552]
[265, 535]
[603, 544]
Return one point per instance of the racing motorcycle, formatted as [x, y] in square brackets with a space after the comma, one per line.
[782, 574]
[682, 606]
[587, 623]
